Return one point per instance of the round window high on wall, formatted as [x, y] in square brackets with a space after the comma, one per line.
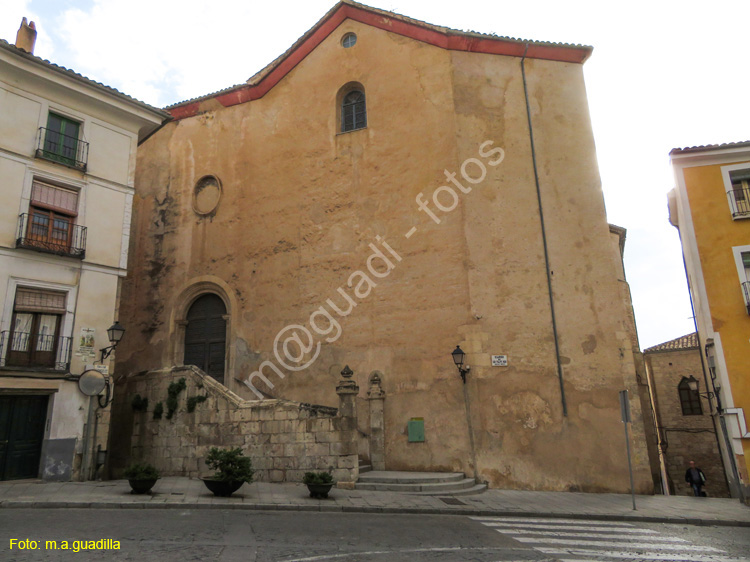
[349, 40]
[206, 195]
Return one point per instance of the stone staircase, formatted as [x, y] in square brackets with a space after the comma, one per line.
[419, 483]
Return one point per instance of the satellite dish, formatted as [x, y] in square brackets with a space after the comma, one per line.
[91, 382]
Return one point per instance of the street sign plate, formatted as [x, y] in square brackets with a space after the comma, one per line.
[499, 360]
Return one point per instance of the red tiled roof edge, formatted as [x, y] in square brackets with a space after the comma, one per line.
[446, 38]
[689, 341]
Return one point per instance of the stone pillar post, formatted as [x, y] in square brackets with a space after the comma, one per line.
[376, 397]
[347, 470]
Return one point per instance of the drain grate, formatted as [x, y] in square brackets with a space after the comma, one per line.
[453, 501]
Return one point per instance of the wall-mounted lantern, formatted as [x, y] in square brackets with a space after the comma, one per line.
[114, 333]
[693, 385]
[458, 358]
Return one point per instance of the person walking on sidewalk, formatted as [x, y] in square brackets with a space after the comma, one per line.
[695, 477]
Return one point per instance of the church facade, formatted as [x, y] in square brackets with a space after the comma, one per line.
[384, 192]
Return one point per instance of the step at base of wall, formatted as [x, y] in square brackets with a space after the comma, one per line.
[419, 483]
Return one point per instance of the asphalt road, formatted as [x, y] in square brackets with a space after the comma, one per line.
[254, 536]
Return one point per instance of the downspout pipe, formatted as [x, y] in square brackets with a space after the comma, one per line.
[544, 237]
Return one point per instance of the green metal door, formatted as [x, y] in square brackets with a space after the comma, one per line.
[22, 420]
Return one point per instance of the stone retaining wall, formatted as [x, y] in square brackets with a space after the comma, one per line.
[284, 439]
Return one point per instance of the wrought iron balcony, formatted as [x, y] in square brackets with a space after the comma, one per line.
[51, 234]
[739, 201]
[746, 292]
[25, 350]
[64, 149]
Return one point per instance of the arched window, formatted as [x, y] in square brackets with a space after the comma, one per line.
[353, 111]
[690, 400]
[206, 334]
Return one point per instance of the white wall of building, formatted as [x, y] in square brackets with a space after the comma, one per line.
[29, 89]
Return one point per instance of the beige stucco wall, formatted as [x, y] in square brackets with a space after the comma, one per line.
[301, 203]
[13, 173]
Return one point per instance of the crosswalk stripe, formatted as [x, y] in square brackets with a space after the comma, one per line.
[543, 535]
[589, 535]
[660, 556]
[637, 546]
[551, 520]
[573, 528]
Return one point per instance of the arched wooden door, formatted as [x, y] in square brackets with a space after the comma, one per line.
[205, 336]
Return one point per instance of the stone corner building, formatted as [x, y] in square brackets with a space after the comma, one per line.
[383, 191]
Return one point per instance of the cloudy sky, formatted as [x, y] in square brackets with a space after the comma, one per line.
[664, 74]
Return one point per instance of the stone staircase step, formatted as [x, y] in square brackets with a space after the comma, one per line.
[365, 468]
[476, 489]
[434, 488]
[404, 477]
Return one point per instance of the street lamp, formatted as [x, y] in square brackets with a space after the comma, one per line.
[114, 333]
[693, 385]
[458, 358]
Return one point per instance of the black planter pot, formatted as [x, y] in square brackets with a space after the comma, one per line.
[222, 488]
[141, 485]
[319, 490]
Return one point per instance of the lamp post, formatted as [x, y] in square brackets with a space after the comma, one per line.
[458, 356]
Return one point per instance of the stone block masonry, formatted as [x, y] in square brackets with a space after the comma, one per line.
[284, 439]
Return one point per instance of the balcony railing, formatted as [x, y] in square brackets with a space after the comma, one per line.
[22, 349]
[51, 235]
[739, 201]
[746, 292]
[64, 149]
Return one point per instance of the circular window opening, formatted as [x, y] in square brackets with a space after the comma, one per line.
[206, 195]
[349, 40]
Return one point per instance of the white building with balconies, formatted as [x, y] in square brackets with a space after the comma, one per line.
[67, 162]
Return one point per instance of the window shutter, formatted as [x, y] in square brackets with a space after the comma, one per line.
[35, 300]
[55, 197]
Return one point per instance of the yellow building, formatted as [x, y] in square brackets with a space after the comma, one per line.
[711, 206]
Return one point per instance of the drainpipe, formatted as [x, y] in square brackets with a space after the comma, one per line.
[544, 236]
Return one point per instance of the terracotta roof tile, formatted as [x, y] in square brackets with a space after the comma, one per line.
[740, 144]
[689, 341]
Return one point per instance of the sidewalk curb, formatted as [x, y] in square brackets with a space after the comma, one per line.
[16, 504]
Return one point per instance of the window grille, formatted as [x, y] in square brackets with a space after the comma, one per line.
[353, 111]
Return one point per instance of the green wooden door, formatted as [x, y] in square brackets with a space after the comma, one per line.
[22, 420]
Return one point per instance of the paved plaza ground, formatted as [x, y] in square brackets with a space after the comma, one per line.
[187, 493]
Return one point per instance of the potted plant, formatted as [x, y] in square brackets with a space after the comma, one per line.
[318, 483]
[141, 477]
[232, 468]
